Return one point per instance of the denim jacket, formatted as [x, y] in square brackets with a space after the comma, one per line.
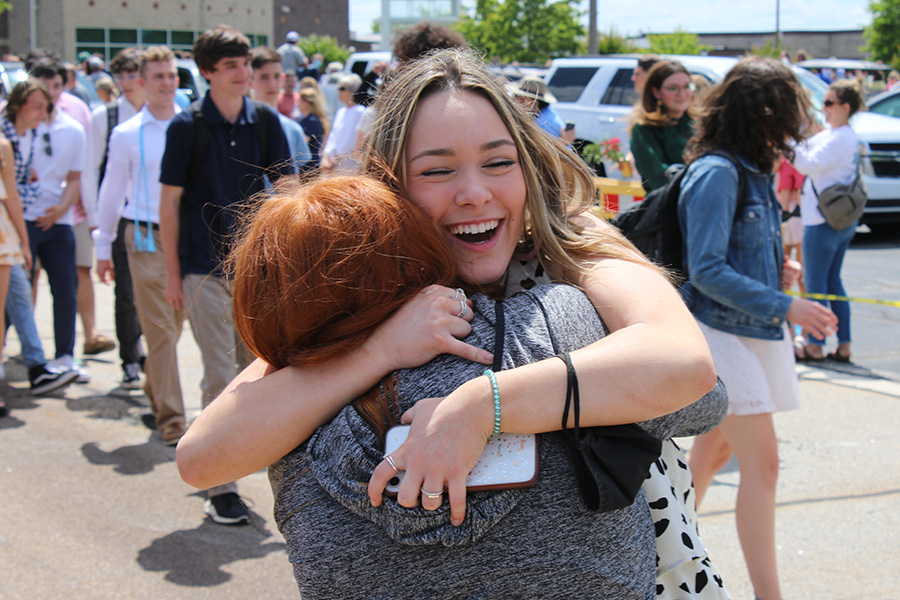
[734, 264]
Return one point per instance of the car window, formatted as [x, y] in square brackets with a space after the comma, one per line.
[359, 67]
[889, 106]
[186, 83]
[621, 90]
[567, 83]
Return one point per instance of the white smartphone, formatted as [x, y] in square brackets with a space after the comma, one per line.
[509, 461]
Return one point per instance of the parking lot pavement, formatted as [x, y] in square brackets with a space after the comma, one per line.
[93, 507]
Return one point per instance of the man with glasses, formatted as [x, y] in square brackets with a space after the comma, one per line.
[58, 160]
[125, 71]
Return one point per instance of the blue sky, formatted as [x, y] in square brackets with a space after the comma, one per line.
[663, 16]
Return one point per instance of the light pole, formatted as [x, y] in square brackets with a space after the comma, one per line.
[592, 27]
[778, 24]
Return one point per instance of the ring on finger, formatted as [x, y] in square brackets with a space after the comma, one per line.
[463, 308]
[459, 292]
[432, 495]
[390, 461]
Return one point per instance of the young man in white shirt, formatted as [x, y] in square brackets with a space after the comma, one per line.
[125, 71]
[131, 189]
[58, 162]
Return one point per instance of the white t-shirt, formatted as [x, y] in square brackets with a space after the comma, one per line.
[829, 157]
[65, 139]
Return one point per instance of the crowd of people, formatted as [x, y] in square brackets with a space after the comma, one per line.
[346, 273]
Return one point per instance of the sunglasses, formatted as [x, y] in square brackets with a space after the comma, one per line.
[830, 102]
[677, 89]
[342, 89]
[48, 149]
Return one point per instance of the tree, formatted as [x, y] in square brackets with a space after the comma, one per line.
[614, 42]
[523, 30]
[679, 42]
[883, 35]
[328, 46]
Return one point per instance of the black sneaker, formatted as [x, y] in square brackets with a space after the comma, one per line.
[227, 509]
[131, 376]
[44, 380]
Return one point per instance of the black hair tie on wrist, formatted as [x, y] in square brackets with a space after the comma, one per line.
[610, 462]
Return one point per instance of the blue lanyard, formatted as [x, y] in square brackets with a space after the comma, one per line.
[142, 183]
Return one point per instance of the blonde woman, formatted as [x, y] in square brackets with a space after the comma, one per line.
[14, 248]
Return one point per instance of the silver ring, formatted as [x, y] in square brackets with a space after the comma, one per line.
[463, 308]
[391, 462]
[432, 495]
[459, 291]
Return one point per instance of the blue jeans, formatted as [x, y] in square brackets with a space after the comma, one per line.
[20, 312]
[823, 256]
[55, 248]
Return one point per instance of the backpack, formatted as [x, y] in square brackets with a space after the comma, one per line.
[112, 119]
[652, 225]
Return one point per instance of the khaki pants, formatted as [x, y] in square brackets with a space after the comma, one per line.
[208, 302]
[161, 325]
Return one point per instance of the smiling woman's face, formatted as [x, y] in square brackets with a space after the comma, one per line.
[463, 170]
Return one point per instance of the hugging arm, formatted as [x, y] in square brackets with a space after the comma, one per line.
[263, 415]
[654, 361]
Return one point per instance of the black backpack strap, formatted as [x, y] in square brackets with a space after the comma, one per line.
[265, 117]
[112, 119]
[499, 336]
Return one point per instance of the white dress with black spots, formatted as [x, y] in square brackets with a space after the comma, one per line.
[683, 568]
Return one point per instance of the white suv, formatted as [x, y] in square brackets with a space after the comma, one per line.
[597, 95]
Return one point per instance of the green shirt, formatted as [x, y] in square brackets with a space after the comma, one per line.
[655, 148]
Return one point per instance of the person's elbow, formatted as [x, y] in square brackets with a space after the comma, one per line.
[192, 466]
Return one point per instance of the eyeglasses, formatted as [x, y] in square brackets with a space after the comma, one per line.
[677, 89]
[48, 149]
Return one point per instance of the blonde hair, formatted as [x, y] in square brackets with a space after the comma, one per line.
[317, 107]
[559, 185]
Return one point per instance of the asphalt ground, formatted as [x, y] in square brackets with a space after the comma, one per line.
[93, 508]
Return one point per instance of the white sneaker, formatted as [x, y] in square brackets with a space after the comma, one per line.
[68, 363]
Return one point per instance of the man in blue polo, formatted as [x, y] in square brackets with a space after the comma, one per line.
[214, 162]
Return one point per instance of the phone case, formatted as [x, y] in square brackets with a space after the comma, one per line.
[509, 461]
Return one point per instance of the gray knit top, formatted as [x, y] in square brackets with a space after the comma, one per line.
[535, 543]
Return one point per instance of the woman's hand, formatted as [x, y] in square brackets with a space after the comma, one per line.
[790, 273]
[813, 317]
[446, 439]
[430, 324]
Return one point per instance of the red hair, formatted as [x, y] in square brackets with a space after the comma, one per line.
[323, 263]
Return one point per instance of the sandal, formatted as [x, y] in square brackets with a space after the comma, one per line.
[837, 357]
[803, 355]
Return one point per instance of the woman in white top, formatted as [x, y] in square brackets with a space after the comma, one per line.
[338, 152]
[829, 157]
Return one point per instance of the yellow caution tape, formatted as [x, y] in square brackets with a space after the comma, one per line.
[814, 296]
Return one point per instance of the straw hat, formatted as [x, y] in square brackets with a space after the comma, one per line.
[531, 87]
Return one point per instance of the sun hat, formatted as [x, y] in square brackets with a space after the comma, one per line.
[531, 87]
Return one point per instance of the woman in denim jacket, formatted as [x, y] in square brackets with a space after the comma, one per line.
[734, 256]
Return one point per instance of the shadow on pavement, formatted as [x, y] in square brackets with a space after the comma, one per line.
[194, 558]
[130, 460]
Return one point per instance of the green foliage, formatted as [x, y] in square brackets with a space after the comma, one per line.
[5, 6]
[524, 30]
[328, 46]
[768, 49]
[883, 35]
[679, 42]
[614, 42]
[376, 26]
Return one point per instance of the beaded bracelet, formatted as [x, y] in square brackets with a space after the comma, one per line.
[496, 390]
